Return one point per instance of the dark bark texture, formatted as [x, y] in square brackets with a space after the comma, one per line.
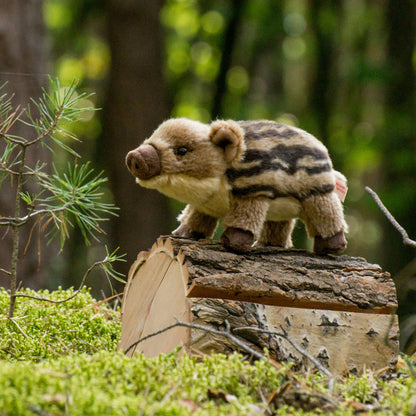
[135, 106]
[287, 278]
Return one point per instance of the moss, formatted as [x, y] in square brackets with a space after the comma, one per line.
[62, 360]
[42, 330]
[108, 383]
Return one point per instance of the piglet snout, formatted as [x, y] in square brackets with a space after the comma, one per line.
[143, 162]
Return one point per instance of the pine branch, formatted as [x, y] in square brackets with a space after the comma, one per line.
[18, 222]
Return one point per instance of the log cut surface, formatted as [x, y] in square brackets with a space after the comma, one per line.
[292, 278]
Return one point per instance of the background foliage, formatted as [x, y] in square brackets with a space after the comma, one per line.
[343, 70]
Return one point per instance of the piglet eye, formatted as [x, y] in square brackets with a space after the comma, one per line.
[181, 151]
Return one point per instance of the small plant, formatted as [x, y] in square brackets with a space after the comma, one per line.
[66, 325]
[63, 198]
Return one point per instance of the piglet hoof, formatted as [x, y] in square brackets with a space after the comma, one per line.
[183, 231]
[236, 239]
[331, 245]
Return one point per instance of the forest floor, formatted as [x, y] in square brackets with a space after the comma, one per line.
[61, 359]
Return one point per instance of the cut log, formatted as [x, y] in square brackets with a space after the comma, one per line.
[339, 309]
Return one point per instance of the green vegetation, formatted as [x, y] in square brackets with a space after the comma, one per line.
[340, 70]
[61, 359]
[44, 330]
[54, 200]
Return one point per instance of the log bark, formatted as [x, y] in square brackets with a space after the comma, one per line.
[339, 309]
[294, 278]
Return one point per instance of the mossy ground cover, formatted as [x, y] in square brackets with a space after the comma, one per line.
[62, 360]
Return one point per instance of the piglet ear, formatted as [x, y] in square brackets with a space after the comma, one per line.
[229, 136]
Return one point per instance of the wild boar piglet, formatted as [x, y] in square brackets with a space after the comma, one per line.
[257, 176]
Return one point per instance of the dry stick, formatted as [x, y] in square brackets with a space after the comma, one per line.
[284, 335]
[20, 328]
[5, 271]
[226, 333]
[23, 295]
[406, 240]
[99, 303]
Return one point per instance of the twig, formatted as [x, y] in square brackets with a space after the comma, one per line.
[19, 221]
[284, 335]
[14, 318]
[99, 303]
[15, 173]
[20, 328]
[225, 333]
[50, 130]
[5, 271]
[406, 240]
[40, 298]
[153, 334]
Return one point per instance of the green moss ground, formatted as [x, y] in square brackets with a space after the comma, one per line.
[62, 360]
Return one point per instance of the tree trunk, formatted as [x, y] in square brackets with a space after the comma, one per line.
[323, 94]
[135, 106]
[399, 141]
[230, 37]
[23, 66]
[340, 309]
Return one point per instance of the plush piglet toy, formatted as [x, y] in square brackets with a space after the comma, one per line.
[258, 176]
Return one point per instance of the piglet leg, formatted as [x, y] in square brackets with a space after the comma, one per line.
[325, 222]
[243, 223]
[195, 225]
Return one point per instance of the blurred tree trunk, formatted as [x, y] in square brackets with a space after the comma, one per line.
[399, 141]
[228, 47]
[135, 106]
[323, 15]
[23, 67]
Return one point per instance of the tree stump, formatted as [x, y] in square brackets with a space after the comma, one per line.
[338, 309]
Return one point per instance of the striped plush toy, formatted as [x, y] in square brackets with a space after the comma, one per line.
[259, 176]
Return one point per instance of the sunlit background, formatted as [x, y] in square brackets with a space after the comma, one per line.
[342, 70]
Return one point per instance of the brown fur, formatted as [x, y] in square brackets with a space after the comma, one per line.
[256, 175]
[277, 233]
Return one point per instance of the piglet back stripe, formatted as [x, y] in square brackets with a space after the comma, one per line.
[271, 192]
[288, 154]
[233, 174]
[257, 130]
[281, 157]
[270, 132]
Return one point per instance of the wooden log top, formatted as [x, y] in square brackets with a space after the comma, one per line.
[281, 277]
